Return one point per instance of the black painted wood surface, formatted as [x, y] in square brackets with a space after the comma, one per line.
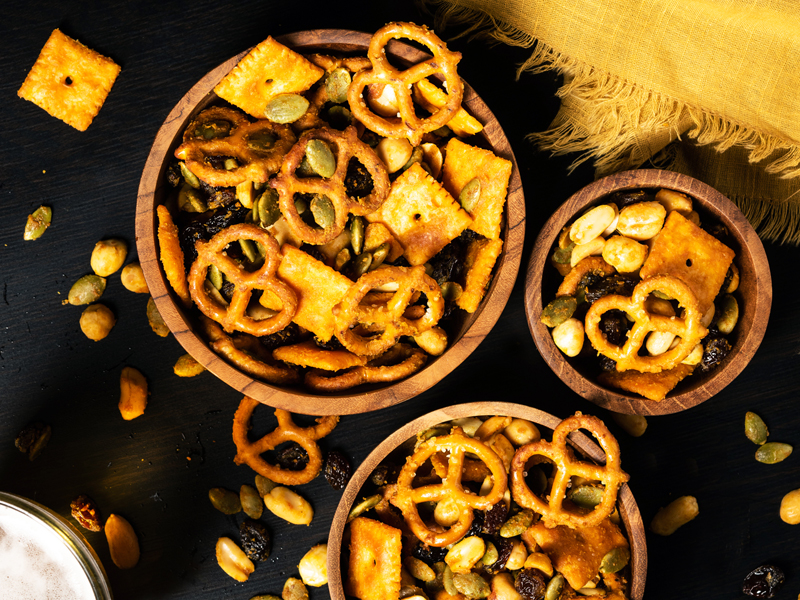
[157, 470]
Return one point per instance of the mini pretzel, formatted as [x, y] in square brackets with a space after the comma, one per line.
[243, 142]
[457, 445]
[249, 453]
[688, 328]
[347, 146]
[400, 361]
[349, 312]
[408, 124]
[234, 316]
[553, 510]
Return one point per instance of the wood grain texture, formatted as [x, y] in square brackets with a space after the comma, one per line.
[755, 290]
[463, 339]
[629, 510]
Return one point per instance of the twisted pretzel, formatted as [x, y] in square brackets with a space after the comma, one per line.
[390, 317]
[450, 489]
[347, 146]
[234, 316]
[244, 141]
[249, 453]
[688, 328]
[553, 511]
[407, 124]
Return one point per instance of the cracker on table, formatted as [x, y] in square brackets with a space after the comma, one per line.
[375, 560]
[318, 289]
[268, 69]
[462, 163]
[69, 80]
[480, 259]
[421, 215]
[653, 386]
[308, 354]
[688, 252]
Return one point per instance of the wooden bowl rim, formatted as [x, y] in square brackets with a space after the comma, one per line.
[754, 315]
[482, 321]
[629, 510]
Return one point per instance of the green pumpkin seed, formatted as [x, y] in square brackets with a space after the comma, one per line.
[264, 485]
[262, 141]
[554, 587]
[157, 323]
[563, 256]
[337, 84]
[231, 164]
[249, 249]
[212, 129]
[304, 168]
[471, 585]
[86, 290]
[755, 429]
[517, 524]
[416, 157]
[215, 276]
[470, 194]
[252, 503]
[662, 295]
[357, 235]
[491, 555]
[294, 589]
[773, 452]
[559, 310]
[286, 108]
[320, 158]
[615, 560]
[447, 581]
[190, 200]
[379, 255]
[339, 117]
[342, 258]
[225, 501]
[586, 496]
[418, 569]
[38, 222]
[188, 176]
[451, 291]
[323, 211]
[728, 314]
[300, 205]
[361, 264]
[266, 208]
[432, 432]
[363, 506]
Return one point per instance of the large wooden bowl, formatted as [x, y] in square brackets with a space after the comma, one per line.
[629, 510]
[464, 336]
[754, 293]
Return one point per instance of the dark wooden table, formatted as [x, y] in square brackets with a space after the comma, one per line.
[157, 470]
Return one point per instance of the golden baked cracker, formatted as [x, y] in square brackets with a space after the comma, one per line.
[69, 80]
[375, 560]
[171, 254]
[577, 553]
[376, 234]
[478, 264]
[421, 215]
[653, 386]
[462, 163]
[308, 354]
[684, 250]
[318, 289]
[268, 69]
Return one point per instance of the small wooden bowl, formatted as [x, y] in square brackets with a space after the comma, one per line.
[464, 336]
[755, 293]
[629, 510]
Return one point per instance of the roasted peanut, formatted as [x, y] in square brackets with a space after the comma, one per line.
[790, 508]
[591, 248]
[672, 200]
[432, 156]
[108, 256]
[492, 426]
[289, 506]
[313, 566]
[641, 221]
[122, 542]
[728, 314]
[132, 393]
[464, 554]
[446, 512]
[634, 425]
[521, 432]
[233, 560]
[97, 321]
[569, 337]
[519, 553]
[394, 152]
[677, 513]
[186, 366]
[294, 589]
[658, 342]
[382, 99]
[592, 224]
[503, 588]
[433, 341]
[695, 356]
[539, 560]
[624, 254]
[133, 280]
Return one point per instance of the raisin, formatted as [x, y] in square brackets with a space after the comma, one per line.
[85, 512]
[718, 230]
[216, 162]
[33, 439]
[331, 344]
[288, 335]
[255, 540]
[615, 326]
[530, 584]
[429, 554]
[358, 182]
[384, 474]
[606, 364]
[292, 457]
[174, 176]
[203, 226]
[221, 197]
[715, 349]
[504, 547]
[313, 250]
[477, 524]
[613, 284]
[627, 197]
[337, 469]
[494, 518]
[763, 581]
[227, 290]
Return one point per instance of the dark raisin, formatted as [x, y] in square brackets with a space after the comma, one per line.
[292, 457]
[613, 284]
[217, 162]
[728, 277]
[606, 364]
[627, 197]
[718, 230]
[255, 540]
[288, 335]
[763, 582]
[494, 518]
[331, 344]
[429, 554]
[221, 197]
[504, 547]
[313, 251]
[33, 439]
[204, 226]
[530, 584]
[174, 176]
[370, 138]
[715, 349]
[402, 262]
[448, 264]
[358, 182]
[384, 474]
[227, 290]
[477, 524]
[337, 469]
[614, 325]
[85, 512]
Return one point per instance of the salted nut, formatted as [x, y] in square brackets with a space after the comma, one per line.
[133, 393]
[233, 560]
[289, 506]
[122, 542]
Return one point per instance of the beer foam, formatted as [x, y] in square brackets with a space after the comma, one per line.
[36, 563]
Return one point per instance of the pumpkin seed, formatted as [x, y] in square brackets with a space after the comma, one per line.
[728, 314]
[416, 157]
[337, 84]
[773, 452]
[755, 429]
[212, 129]
[231, 164]
[286, 108]
[251, 501]
[264, 485]
[357, 234]
[342, 258]
[157, 323]
[267, 209]
[418, 569]
[339, 117]
[432, 432]
[470, 194]
[563, 256]
[662, 295]
[190, 200]
[304, 168]
[300, 205]
[323, 211]
[363, 506]
[614, 560]
[379, 255]
[86, 290]
[554, 587]
[250, 250]
[559, 310]
[586, 496]
[225, 501]
[451, 291]
[262, 141]
[517, 524]
[38, 222]
[471, 585]
[215, 276]
[320, 158]
[447, 581]
[491, 555]
[361, 263]
[188, 176]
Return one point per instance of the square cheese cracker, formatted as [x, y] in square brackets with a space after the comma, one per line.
[69, 81]
[421, 215]
[653, 386]
[463, 163]
[375, 560]
[268, 69]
